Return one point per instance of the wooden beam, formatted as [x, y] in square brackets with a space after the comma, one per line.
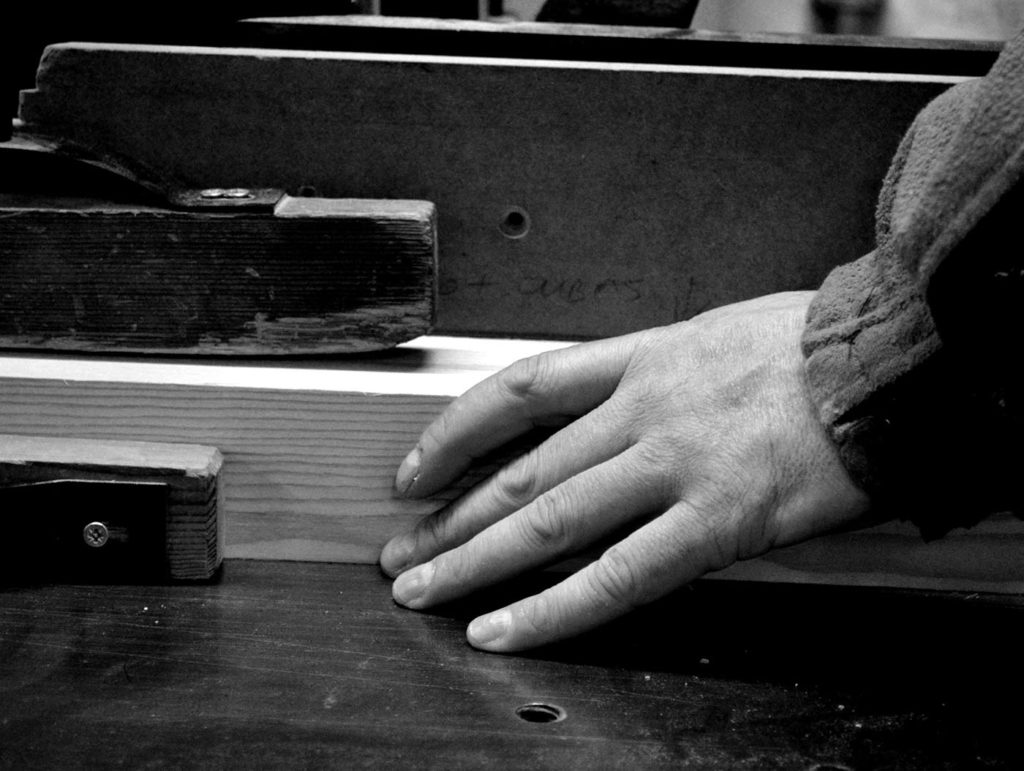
[310, 452]
[576, 199]
[308, 275]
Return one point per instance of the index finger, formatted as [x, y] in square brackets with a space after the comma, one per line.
[548, 389]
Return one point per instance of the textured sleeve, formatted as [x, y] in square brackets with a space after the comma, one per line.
[908, 349]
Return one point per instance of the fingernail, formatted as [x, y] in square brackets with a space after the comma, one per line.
[411, 585]
[408, 471]
[487, 629]
[396, 554]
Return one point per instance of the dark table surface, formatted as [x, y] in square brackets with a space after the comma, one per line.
[311, 665]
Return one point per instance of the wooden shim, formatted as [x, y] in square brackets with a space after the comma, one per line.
[310, 276]
[193, 543]
[575, 199]
[311, 450]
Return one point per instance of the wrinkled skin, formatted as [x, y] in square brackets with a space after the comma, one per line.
[697, 439]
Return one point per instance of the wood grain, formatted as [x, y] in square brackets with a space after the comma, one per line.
[650, 192]
[283, 665]
[310, 276]
[311, 449]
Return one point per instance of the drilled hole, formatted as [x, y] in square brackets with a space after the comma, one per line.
[515, 223]
[306, 191]
[540, 713]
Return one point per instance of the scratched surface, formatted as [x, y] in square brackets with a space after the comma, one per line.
[574, 199]
[307, 665]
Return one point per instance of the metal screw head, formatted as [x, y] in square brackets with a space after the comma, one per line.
[96, 534]
[220, 192]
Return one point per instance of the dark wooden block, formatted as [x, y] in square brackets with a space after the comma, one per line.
[311, 276]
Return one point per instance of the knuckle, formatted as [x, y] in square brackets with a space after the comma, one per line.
[517, 483]
[615, 578]
[526, 379]
[654, 453]
[665, 463]
[709, 537]
[545, 524]
[641, 402]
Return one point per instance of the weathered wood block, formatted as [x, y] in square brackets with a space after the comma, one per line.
[176, 535]
[310, 451]
[311, 276]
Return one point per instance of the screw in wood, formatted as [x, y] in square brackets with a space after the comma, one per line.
[230, 192]
[96, 534]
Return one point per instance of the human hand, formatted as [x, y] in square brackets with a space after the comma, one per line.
[699, 436]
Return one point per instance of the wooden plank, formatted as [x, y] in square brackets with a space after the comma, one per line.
[615, 43]
[307, 276]
[311, 450]
[575, 199]
[185, 544]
